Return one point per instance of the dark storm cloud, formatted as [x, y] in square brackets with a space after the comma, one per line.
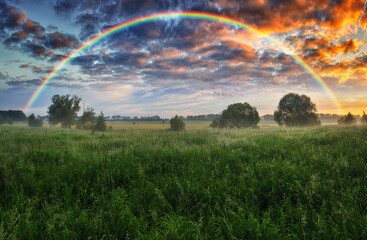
[165, 75]
[59, 40]
[89, 24]
[34, 48]
[16, 37]
[126, 59]
[224, 54]
[19, 83]
[110, 9]
[85, 61]
[66, 6]
[32, 27]
[14, 17]
[20, 33]
[57, 57]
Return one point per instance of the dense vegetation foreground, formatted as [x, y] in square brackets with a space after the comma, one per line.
[268, 183]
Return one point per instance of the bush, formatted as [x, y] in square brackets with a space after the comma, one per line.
[87, 120]
[215, 123]
[237, 115]
[296, 110]
[347, 120]
[177, 123]
[34, 122]
[5, 119]
[364, 118]
[100, 123]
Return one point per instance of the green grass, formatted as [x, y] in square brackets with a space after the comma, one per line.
[268, 183]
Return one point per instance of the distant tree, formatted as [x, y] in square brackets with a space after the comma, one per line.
[177, 123]
[237, 115]
[4, 119]
[364, 118]
[296, 110]
[16, 115]
[87, 120]
[34, 122]
[100, 123]
[63, 110]
[347, 120]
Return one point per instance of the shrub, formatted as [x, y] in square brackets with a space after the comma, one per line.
[100, 123]
[177, 123]
[215, 123]
[237, 115]
[34, 122]
[296, 110]
[347, 120]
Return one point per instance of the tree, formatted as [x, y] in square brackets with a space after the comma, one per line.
[15, 115]
[34, 122]
[100, 123]
[177, 123]
[347, 120]
[237, 115]
[364, 118]
[296, 110]
[63, 110]
[87, 120]
[4, 119]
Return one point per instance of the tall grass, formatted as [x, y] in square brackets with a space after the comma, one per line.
[269, 183]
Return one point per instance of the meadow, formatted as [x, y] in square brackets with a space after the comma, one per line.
[142, 181]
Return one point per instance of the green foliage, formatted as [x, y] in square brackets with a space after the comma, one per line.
[34, 122]
[4, 119]
[215, 123]
[100, 123]
[63, 110]
[296, 110]
[177, 123]
[364, 118]
[87, 120]
[347, 120]
[237, 115]
[272, 183]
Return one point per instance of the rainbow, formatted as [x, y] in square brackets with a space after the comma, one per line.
[176, 14]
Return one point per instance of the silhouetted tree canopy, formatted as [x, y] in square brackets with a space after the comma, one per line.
[34, 122]
[296, 110]
[63, 110]
[237, 115]
[348, 119]
[16, 115]
[177, 123]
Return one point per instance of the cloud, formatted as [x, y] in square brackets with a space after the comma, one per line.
[14, 17]
[24, 83]
[59, 40]
[31, 27]
[57, 57]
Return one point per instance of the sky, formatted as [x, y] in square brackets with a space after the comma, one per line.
[183, 66]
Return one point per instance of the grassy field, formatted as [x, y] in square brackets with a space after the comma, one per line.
[142, 181]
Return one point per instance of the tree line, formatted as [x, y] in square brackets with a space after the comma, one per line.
[293, 110]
